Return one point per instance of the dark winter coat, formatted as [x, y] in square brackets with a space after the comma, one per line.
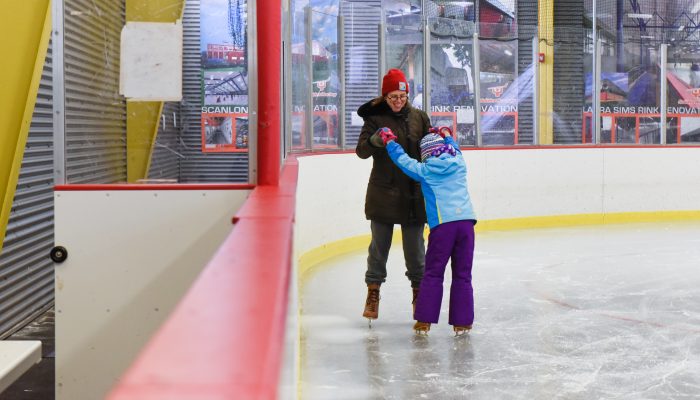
[392, 197]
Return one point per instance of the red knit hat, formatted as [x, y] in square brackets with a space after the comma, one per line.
[394, 80]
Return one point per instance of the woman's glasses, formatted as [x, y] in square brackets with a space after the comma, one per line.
[394, 97]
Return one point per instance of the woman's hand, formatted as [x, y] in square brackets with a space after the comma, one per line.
[381, 137]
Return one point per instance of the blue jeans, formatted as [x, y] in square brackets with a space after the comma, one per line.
[413, 252]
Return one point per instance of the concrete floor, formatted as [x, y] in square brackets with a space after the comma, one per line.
[38, 382]
[603, 312]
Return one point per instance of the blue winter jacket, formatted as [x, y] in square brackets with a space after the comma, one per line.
[443, 180]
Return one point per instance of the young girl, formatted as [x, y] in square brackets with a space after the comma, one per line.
[442, 174]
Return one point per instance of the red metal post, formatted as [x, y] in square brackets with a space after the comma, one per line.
[269, 43]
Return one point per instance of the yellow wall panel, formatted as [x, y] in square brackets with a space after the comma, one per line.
[141, 130]
[154, 10]
[545, 19]
[25, 29]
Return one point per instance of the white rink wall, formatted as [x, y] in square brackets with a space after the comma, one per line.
[509, 183]
[132, 255]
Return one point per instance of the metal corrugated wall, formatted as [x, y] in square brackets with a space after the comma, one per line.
[95, 127]
[362, 19]
[26, 271]
[195, 165]
[526, 17]
[568, 71]
[165, 159]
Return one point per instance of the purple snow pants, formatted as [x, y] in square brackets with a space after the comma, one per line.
[449, 240]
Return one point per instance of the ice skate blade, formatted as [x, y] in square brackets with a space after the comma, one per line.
[421, 328]
[461, 331]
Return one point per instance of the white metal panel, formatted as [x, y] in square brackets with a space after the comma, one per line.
[131, 257]
[663, 179]
[509, 184]
[328, 210]
[530, 183]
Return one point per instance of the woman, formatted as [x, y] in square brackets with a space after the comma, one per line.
[392, 197]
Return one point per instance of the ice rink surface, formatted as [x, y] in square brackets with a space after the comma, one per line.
[600, 312]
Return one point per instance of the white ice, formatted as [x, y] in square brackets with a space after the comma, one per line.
[602, 312]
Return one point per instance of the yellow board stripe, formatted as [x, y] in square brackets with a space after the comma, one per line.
[323, 253]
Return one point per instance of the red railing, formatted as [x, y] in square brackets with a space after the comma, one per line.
[225, 338]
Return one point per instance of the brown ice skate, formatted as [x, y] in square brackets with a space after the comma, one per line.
[461, 330]
[421, 328]
[372, 302]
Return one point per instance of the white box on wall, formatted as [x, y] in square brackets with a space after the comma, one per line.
[151, 61]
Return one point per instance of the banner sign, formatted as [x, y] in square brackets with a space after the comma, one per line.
[224, 80]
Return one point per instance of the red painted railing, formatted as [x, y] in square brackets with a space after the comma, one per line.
[225, 338]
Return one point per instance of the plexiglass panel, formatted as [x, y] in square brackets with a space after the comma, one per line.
[498, 71]
[315, 78]
[563, 90]
[587, 133]
[526, 63]
[300, 79]
[114, 136]
[630, 95]
[683, 91]
[452, 91]
[325, 89]
[403, 26]
[361, 62]
[533, 87]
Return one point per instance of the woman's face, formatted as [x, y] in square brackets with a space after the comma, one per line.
[396, 100]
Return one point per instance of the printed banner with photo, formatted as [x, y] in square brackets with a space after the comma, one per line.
[324, 79]
[223, 47]
[452, 89]
[223, 132]
[630, 104]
